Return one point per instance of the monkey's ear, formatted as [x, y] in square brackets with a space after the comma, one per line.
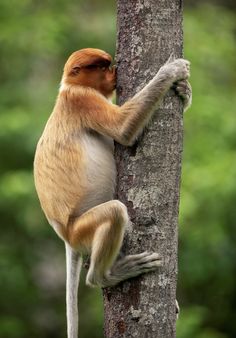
[75, 70]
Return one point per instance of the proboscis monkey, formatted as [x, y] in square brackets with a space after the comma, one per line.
[75, 172]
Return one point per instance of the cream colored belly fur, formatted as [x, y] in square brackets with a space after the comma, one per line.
[100, 170]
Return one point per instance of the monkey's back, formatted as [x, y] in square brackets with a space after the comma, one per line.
[73, 171]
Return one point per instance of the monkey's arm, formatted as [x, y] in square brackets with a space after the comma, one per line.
[141, 107]
[125, 123]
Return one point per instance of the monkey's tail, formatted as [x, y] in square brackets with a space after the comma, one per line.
[73, 268]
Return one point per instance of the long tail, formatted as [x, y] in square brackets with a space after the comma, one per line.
[73, 268]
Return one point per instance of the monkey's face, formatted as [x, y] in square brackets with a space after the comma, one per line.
[100, 77]
[104, 80]
[91, 68]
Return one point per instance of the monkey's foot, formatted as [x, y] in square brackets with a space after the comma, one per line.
[132, 266]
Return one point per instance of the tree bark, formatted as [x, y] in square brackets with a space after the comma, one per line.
[148, 173]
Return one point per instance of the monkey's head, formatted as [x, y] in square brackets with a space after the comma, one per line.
[91, 67]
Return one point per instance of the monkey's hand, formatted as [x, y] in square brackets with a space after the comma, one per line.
[184, 90]
[176, 70]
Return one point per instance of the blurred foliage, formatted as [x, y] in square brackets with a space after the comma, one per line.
[36, 38]
[207, 267]
[230, 4]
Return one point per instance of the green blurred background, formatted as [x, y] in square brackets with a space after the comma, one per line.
[36, 37]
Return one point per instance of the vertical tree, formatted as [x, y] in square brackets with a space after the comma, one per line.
[149, 172]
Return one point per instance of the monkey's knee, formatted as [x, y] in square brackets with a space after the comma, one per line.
[109, 218]
[121, 213]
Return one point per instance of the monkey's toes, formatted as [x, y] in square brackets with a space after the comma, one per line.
[155, 259]
[152, 260]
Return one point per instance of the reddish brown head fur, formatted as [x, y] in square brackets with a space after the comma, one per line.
[85, 57]
[90, 67]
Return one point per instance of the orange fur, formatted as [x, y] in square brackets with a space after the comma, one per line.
[77, 71]
[60, 166]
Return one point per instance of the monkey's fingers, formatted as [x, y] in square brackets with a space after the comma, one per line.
[184, 90]
[182, 87]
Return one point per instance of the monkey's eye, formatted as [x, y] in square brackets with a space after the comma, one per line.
[92, 67]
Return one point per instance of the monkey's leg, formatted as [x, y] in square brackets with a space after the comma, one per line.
[103, 227]
[100, 230]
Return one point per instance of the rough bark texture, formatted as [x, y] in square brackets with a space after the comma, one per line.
[148, 173]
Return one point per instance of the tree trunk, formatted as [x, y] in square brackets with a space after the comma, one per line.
[148, 173]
